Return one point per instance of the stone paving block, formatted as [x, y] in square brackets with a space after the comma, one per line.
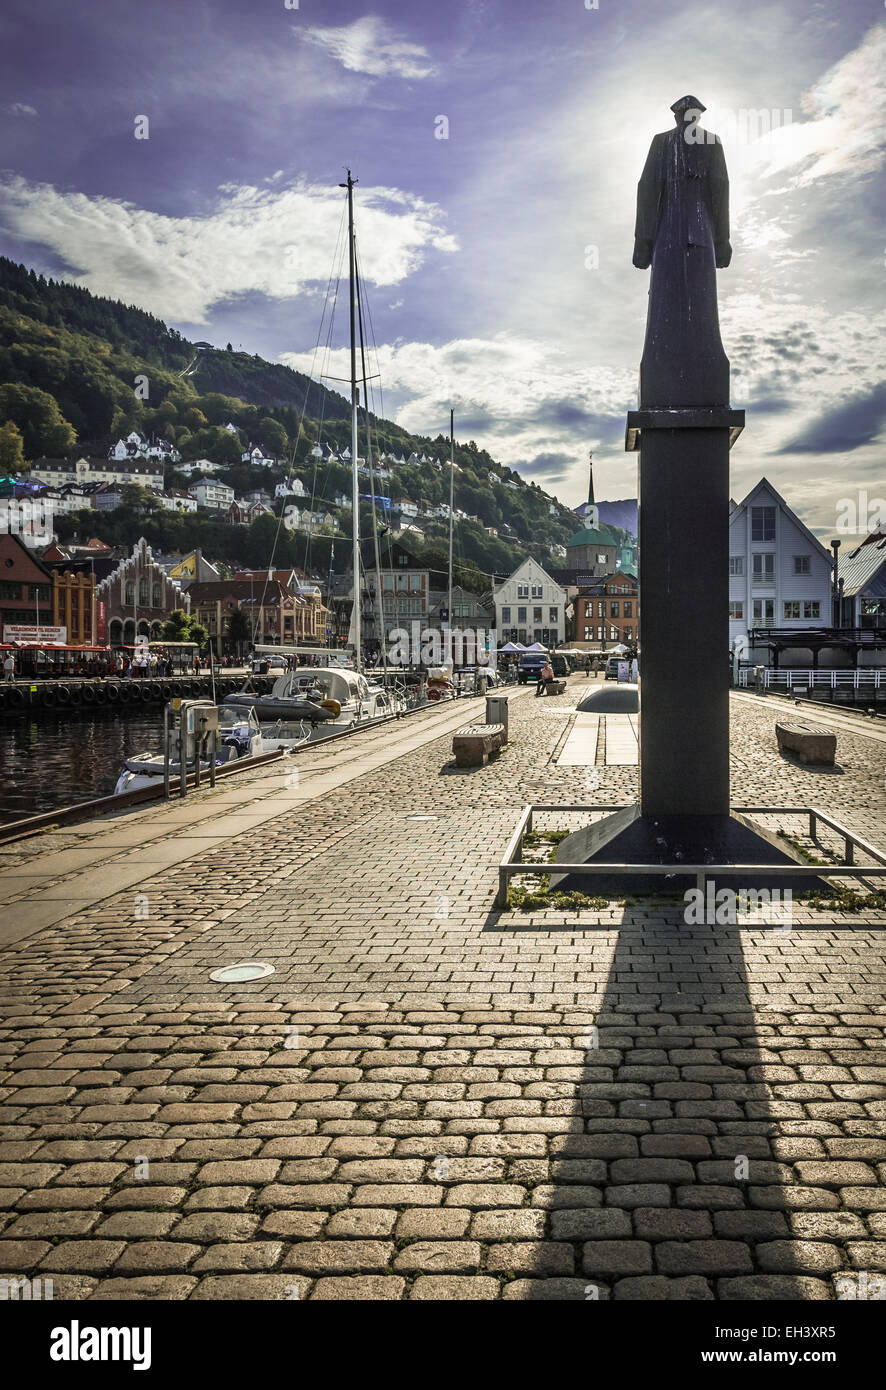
[453, 1288]
[546, 1258]
[657, 1288]
[360, 1288]
[703, 1257]
[156, 1256]
[772, 1288]
[614, 1257]
[146, 1288]
[265, 1287]
[361, 1222]
[341, 1256]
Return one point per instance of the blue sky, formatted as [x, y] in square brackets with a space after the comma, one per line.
[497, 260]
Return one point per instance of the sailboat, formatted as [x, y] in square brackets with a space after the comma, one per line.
[331, 697]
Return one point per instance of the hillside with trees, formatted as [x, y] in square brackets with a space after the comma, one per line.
[77, 372]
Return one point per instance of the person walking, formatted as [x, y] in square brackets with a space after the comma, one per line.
[9, 669]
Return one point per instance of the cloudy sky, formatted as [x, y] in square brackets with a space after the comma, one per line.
[498, 145]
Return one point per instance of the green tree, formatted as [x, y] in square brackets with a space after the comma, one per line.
[43, 427]
[12, 454]
[239, 629]
[273, 436]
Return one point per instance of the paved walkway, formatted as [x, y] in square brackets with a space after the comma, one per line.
[429, 1099]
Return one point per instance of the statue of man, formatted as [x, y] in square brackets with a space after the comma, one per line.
[682, 231]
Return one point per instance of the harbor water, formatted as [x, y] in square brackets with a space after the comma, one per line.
[61, 759]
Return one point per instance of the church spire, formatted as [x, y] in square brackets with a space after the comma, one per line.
[590, 478]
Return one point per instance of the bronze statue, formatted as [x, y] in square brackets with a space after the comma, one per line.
[682, 231]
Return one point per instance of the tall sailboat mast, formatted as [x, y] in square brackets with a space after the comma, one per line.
[355, 495]
[451, 499]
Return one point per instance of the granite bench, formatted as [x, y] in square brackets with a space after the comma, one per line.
[473, 743]
[811, 745]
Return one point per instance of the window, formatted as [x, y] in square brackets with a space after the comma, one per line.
[536, 591]
[10, 590]
[736, 611]
[812, 608]
[802, 564]
[143, 592]
[764, 610]
[736, 564]
[553, 616]
[537, 635]
[601, 609]
[613, 609]
[522, 591]
[629, 608]
[536, 615]
[764, 568]
[129, 593]
[521, 615]
[762, 523]
[792, 608]
[589, 634]
[506, 615]
[157, 596]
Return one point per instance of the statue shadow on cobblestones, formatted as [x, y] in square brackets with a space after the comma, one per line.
[690, 1108]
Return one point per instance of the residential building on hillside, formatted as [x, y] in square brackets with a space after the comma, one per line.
[530, 607]
[780, 575]
[92, 470]
[137, 446]
[214, 495]
[177, 501]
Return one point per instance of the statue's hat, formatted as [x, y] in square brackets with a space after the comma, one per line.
[685, 103]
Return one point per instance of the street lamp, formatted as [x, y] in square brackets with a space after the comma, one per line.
[835, 614]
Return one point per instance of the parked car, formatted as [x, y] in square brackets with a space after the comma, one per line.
[529, 667]
[612, 668]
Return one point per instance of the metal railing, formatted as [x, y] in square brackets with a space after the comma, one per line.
[802, 678]
[511, 865]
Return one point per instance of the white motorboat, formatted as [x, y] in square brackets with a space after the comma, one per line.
[331, 696]
[284, 737]
[239, 736]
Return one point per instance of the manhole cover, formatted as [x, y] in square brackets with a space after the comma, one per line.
[244, 970]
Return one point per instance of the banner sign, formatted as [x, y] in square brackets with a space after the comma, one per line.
[23, 633]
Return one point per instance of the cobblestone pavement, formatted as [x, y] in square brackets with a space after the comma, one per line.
[430, 1099]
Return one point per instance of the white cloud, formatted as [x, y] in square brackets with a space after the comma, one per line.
[518, 396]
[180, 267]
[19, 108]
[370, 45]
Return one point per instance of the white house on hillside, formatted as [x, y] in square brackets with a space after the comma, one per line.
[530, 607]
[779, 573]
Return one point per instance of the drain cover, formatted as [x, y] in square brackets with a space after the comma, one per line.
[422, 817]
[243, 970]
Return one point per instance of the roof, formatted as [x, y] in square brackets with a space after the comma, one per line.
[776, 495]
[594, 535]
[212, 590]
[860, 567]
